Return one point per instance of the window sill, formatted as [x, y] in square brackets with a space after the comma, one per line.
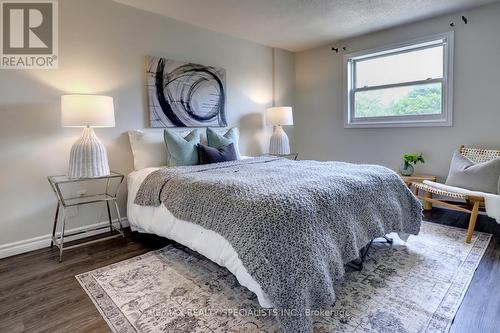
[409, 123]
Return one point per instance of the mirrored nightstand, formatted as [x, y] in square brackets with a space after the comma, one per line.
[105, 190]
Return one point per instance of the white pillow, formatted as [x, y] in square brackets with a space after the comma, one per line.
[149, 149]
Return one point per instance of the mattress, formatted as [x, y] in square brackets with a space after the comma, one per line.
[159, 221]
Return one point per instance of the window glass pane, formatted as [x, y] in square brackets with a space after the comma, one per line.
[422, 99]
[402, 67]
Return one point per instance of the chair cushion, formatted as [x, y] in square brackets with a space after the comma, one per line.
[482, 177]
[208, 155]
[181, 150]
[217, 141]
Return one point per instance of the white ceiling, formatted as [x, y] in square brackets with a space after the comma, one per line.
[300, 24]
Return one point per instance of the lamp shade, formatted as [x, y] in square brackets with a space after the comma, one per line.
[87, 110]
[281, 115]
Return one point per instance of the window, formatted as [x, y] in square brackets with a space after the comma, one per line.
[402, 85]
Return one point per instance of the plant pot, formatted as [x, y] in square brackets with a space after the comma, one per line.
[406, 169]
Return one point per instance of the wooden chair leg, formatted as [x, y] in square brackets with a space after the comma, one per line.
[472, 221]
[427, 205]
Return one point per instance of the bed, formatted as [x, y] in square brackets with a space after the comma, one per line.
[284, 228]
[160, 221]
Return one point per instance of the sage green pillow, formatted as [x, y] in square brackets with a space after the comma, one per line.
[218, 141]
[181, 150]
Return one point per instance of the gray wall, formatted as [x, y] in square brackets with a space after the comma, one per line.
[319, 132]
[102, 50]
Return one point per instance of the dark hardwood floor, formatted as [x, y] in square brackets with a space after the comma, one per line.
[480, 309]
[38, 294]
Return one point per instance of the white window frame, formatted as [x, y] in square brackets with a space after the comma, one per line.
[443, 119]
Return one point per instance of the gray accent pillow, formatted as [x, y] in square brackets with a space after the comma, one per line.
[483, 177]
[181, 150]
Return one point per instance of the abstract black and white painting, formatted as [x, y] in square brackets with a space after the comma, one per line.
[183, 94]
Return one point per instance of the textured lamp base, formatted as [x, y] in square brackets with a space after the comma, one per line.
[279, 144]
[88, 157]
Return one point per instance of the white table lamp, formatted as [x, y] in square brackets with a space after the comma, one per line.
[279, 116]
[88, 157]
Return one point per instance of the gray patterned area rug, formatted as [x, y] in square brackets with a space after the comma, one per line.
[407, 287]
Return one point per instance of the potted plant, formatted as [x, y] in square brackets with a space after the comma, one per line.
[409, 160]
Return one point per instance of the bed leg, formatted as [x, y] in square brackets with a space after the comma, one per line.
[358, 264]
[389, 239]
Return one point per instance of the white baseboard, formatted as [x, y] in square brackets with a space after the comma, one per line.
[40, 242]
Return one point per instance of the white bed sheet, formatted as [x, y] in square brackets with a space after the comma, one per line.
[159, 221]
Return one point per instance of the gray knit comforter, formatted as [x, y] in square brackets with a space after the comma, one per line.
[294, 224]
